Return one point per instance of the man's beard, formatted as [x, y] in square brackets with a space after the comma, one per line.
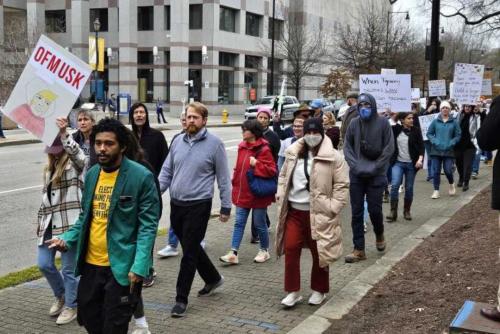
[192, 129]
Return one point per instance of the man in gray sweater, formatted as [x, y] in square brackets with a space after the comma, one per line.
[195, 159]
[368, 148]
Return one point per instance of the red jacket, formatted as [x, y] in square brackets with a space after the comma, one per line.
[265, 167]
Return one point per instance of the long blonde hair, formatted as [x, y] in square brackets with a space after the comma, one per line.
[331, 119]
[56, 167]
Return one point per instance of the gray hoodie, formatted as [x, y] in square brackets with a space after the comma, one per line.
[378, 133]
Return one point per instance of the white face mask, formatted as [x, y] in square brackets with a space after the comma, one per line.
[313, 140]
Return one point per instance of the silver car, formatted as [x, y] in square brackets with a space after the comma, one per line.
[290, 105]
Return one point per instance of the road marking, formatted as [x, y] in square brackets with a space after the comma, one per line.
[19, 189]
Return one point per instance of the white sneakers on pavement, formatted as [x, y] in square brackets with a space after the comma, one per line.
[139, 329]
[435, 194]
[57, 307]
[67, 315]
[452, 190]
[168, 251]
[229, 258]
[317, 298]
[291, 299]
[262, 256]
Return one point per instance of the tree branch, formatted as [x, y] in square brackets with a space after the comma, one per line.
[468, 21]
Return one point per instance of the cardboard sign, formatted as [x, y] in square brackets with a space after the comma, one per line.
[388, 71]
[415, 94]
[437, 87]
[425, 122]
[467, 83]
[48, 87]
[390, 91]
[486, 89]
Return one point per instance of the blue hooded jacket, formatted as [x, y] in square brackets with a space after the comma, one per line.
[443, 137]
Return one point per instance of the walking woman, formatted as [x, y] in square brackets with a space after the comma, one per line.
[443, 134]
[465, 150]
[406, 161]
[61, 196]
[313, 187]
[332, 131]
[253, 154]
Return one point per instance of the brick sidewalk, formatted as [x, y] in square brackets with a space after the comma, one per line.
[249, 301]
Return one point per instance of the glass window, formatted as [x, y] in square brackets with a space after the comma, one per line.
[145, 18]
[55, 21]
[167, 17]
[278, 28]
[226, 59]
[102, 15]
[226, 87]
[195, 16]
[195, 58]
[252, 62]
[227, 20]
[144, 57]
[253, 24]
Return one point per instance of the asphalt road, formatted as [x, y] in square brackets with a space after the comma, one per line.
[20, 197]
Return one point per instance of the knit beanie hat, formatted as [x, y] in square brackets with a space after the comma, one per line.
[444, 104]
[314, 124]
[265, 110]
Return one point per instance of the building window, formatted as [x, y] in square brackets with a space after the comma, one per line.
[226, 59]
[195, 91]
[167, 17]
[227, 20]
[278, 29]
[226, 87]
[167, 75]
[145, 18]
[195, 58]
[102, 15]
[55, 21]
[195, 16]
[253, 24]
[278, 70]
[144, 57]
[252, 62]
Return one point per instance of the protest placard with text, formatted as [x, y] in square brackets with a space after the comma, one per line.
[437, 87]
[425, 121]
[467, 83]
[390, 91]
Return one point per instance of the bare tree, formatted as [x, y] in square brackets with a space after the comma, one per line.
[337, 83]
[484, 14]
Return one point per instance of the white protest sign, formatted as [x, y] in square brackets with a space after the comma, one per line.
[48, 87]
[388, 71]
[467, 83]
[437, 87]
[415, 94]
[423, 102]
[486, 89]
[451, 91]
[425, 121]
[390, 91]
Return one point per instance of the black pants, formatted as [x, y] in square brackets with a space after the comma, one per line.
[190, 225]
[104, 306]
[158, 114]
[255, 234]
[464, 160]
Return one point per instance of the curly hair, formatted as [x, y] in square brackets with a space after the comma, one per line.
[111, 125]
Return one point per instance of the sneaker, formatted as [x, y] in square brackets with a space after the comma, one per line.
[474, 175]
[401, 189]
[168, 251]
[254, 240]
[452, 191]
[179, 310]
[57, 307]
[141, 330]
[262, 256]
[355, 256]
[365, 227]
[435, 194]
[67, 315]
[148, 281]
[203, 244]
[291, 299]
[317, 298]
[229, 258]
[209, 289]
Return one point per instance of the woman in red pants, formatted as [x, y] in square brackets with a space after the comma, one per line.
[313, 187]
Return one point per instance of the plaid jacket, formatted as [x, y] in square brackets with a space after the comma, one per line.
[65, 204]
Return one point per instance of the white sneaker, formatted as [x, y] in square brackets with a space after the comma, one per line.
[317, 298]
[452, 190]
[229, 258]
[168, 251]
[67, 315]
[365, 227]
[57, 307]
[291, 299]
[262, 256]
[141, 330]
[435, 194]
[401, 189]
[203, 244]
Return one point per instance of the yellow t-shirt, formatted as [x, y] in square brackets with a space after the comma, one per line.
[97, 251]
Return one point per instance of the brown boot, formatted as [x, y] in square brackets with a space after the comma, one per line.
[380, 242]
[393, 216]
[407, 208]
[355, 256]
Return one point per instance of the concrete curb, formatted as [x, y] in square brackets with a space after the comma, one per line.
[345, 299]
[19, 142]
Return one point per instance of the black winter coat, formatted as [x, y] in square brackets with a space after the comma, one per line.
[415, 143]
[155, 148]
[274, 143]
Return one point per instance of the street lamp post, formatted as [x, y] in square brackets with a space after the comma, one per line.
[97, 27]
[407, 18]
[272, 47]
[434, 48]
[473, 50]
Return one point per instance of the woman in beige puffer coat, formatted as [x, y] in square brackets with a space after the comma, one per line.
[313, 187]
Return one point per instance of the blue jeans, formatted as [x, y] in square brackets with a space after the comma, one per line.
[447, 164]
[241, 218]
[476, 162]
[64, 282]
[172, 238]
[427, 145]
[400, 169]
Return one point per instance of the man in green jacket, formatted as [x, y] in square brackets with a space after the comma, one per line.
[114, 234]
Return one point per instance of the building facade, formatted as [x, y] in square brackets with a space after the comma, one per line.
[156, 46]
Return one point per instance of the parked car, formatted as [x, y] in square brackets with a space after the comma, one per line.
[336, 106]
[290, 105]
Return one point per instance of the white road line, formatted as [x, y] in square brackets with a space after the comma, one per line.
[19, 189]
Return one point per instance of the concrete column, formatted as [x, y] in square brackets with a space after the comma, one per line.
[210, 73]
[80, 31]
[35, 10]
[1, 29]
[127, 37]
[112, 42]
[239, 79]
[262, 78]
[160, 72]
[179, 52]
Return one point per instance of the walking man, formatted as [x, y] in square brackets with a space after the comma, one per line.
[368, 148]
[114, 234]
[196, 158]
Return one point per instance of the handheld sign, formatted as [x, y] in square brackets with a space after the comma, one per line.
[486, 89]
[415, 94]
[467, 83]
[425, 121]
[437, 87]
[48, 87]
[390, 91]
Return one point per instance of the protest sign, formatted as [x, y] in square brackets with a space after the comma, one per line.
[437, 87]
[486, 89]
[388, 71]
[425, 121]
[390, 91]
[451, 90]
[415, 94]
[48, 87]
[467, 83]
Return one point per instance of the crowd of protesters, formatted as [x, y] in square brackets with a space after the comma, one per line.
[101, 201]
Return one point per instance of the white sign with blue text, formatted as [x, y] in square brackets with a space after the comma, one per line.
[390, 91]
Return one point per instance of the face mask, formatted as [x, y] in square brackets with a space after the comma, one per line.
[313, 140]
[365, 113]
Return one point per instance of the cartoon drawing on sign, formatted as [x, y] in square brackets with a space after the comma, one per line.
[31, 115]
